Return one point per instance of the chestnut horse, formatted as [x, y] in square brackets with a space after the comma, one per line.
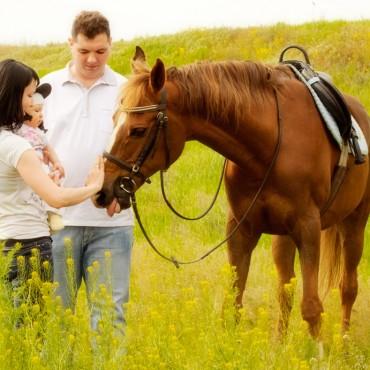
[264, 121]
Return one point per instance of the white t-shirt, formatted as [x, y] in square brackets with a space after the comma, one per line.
[79, 123]
[22, 212]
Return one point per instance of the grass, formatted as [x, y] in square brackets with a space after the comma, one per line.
[182, 318]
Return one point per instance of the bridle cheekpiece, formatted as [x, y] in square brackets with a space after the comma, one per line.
[127, 183]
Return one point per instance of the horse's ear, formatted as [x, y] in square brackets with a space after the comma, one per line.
[139, 54]
[138, 62]
[157, 76]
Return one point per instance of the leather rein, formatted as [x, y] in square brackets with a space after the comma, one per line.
[127, 183]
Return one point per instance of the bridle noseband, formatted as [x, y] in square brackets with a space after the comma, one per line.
[127, 183]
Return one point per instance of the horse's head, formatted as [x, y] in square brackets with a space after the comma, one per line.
[147, 136]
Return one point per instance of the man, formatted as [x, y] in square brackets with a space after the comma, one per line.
[78, 116]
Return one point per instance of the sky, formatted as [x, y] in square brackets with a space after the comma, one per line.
[43, 21]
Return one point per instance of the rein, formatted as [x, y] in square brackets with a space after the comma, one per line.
[177, 213]
[127, 183]
[175, 261]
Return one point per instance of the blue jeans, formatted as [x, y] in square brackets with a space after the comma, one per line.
[74, 260]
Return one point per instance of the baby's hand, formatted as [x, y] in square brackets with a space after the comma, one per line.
[55, 176]
[57, 167]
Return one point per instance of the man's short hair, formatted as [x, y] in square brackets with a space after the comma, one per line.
[90, 24]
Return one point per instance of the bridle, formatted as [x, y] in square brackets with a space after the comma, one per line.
[127, 183]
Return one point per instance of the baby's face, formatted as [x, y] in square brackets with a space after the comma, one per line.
[36, 115]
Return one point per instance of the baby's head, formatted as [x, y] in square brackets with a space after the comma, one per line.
[35, 120]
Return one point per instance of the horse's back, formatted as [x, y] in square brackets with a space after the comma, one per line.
[302, 178]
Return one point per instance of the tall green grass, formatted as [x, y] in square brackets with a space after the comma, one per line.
[182, 318]
[340, 48]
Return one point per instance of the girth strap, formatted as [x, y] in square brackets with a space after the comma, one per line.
[340, 173]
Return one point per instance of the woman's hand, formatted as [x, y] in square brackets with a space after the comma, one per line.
[96, 174]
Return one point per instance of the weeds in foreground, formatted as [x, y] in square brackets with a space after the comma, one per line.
[176, 320]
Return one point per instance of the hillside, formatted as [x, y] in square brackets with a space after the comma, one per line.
[340, 48]
[185, 318]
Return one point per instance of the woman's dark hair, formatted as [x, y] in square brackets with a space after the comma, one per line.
[14, 78]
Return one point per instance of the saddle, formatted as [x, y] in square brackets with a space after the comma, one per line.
[330, 97]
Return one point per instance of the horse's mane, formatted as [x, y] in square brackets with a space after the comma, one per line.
[220, 91]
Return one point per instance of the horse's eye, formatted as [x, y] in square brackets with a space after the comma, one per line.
[138, 131]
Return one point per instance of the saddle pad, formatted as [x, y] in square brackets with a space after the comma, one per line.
[328, 118]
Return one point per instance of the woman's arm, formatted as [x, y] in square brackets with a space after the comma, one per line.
[29, 167]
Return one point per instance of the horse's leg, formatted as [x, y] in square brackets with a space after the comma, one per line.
[352, 229]
[240, 249]
[283, 251]
[306, 235]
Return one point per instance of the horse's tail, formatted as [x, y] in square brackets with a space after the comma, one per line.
[331, 260]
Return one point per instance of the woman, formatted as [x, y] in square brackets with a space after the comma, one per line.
[24, 186]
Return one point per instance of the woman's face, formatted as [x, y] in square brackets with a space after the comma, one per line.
[27, 104]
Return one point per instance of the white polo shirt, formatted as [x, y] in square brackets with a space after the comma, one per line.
[79, 123]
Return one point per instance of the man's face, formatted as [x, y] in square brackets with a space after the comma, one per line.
[89, 56]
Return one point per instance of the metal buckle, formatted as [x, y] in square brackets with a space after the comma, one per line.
[127, 184]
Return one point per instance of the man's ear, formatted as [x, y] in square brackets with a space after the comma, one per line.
[157, 76]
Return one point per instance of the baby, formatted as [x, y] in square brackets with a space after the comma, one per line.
[33, 131]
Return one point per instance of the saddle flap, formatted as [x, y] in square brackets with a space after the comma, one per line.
[336, 105]
[329, 95]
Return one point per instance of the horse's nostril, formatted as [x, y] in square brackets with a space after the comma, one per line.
[100, 198]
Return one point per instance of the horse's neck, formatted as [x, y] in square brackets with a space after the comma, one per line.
[252, 143]
[222, 142]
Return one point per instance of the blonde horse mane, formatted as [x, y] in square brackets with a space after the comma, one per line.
[218, 91]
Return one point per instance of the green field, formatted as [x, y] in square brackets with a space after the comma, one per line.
[183, 318]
